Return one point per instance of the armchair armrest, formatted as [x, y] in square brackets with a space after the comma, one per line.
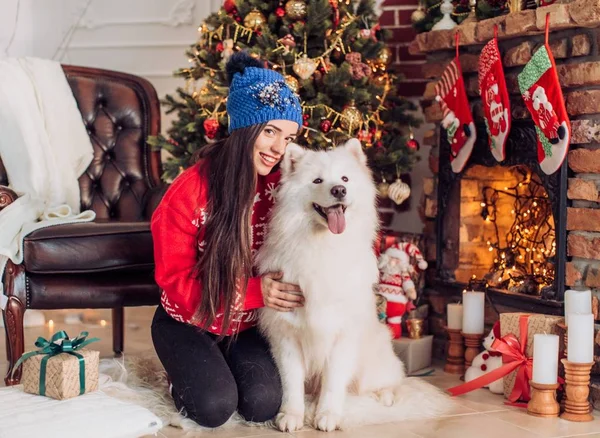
[153, 198]
[7, 197]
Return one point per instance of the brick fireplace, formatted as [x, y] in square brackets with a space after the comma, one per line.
[456, 231]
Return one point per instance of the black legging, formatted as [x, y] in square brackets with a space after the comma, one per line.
[212, 379]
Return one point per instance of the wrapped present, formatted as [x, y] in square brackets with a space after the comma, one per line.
[516, 346]
[61, 368]
[523, 326]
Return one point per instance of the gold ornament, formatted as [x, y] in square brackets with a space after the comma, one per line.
[418, 15]
[385, 56]
[304, 67]
[383, 188]
[351, 117]
[296, 9]
[293, 83]
[254, 19]
[399, 191]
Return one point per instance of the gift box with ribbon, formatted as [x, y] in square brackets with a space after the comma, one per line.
[61, 368]
[523, 326]
[516, 346]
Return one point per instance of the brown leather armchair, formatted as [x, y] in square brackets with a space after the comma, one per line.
[107, 263]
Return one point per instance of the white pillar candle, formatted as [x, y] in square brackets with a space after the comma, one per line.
[577, 301]
[581, 338]
[473, 312]
[455, 316]
[545, 359]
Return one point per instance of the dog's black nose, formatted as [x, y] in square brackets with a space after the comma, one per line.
[338, 191]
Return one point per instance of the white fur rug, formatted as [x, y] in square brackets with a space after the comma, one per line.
[142, 380]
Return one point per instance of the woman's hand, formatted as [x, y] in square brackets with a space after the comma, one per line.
[280, 296]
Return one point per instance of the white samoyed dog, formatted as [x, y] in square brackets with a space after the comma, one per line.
[321, 236]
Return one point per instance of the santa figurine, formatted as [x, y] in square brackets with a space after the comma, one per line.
[396, 284]
[487, 361]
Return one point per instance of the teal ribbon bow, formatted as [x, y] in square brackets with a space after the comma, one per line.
[52, 348]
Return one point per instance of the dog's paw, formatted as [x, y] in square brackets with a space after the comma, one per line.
[286, 422]
[327, 421]
[385, 397]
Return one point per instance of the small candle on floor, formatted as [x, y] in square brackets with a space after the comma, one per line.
[577, 301]
[545, 359]
[455, 316]
[473, 312]
[580, 331]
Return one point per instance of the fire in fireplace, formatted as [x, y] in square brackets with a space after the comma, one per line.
[506, 235]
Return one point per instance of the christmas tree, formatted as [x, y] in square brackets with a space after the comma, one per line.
[331, 52]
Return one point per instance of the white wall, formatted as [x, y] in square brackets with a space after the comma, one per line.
[144, 37]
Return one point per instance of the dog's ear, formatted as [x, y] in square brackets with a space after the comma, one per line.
[355, 147]
[293, 153]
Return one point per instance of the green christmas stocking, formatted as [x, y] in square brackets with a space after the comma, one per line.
[540, 88]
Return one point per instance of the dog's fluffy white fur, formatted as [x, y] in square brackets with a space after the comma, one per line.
[335, 343]
[335, 340]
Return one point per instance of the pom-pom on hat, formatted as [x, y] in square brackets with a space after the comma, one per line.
[257, 94]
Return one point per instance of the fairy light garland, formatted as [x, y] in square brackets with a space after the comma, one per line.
[524, 262]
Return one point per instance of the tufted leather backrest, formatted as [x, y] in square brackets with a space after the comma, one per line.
[119, 111]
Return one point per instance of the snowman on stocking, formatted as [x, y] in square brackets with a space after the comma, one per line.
[496, 103]
[396, 284]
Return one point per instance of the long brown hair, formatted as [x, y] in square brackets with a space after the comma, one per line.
[225, 265]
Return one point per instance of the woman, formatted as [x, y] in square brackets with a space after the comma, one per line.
[206, 229]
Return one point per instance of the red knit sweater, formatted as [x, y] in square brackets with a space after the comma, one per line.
[177, 231]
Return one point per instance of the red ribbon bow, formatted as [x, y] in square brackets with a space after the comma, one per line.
[513, 358]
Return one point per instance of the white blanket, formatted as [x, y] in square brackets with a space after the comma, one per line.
[93, 415]
[44, 147]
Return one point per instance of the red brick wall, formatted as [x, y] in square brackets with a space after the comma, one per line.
[396, 17]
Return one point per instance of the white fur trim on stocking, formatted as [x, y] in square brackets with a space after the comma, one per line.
[458, 164]
[551, 164]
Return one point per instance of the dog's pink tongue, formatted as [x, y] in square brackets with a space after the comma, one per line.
[336, 220]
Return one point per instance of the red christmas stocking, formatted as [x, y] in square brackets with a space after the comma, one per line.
[458, 121]
[539, 85]
[496, 105]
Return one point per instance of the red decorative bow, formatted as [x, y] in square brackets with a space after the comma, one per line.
[513, 358]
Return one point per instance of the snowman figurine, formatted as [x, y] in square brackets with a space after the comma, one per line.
[487, 361]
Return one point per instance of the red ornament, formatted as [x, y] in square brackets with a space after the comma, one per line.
[280, 12]
[229, 6]
[413, 144]
[219, 46]
[211, 127]
[325, 125]
[305, 116]
[305, 123]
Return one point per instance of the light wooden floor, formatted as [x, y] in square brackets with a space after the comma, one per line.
[479, 414]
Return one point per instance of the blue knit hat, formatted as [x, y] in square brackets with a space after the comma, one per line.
[257, 95]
